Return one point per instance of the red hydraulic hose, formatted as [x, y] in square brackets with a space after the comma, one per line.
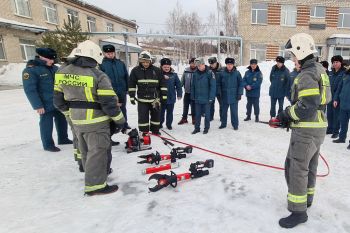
[241, 160]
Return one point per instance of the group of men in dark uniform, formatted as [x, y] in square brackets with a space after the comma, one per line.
[90, 91]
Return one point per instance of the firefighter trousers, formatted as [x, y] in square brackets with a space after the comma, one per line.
[301, 166]
[95, 145]
[144, 111]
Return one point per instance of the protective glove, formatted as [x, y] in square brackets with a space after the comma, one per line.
[132, 101]
[284, 118]
[118, 128]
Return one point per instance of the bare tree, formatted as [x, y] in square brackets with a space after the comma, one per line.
[230, 22]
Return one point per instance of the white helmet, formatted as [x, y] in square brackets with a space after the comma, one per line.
[301, 45]
[145, 55]
[72, 54]
[89, 49]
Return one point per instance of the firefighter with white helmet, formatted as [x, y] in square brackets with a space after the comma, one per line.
[309, 97]
[86, 95]
[151, 87]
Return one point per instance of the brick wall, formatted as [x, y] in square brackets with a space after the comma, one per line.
[273, 35]
[11, 36]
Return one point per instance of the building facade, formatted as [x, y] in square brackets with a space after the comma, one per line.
[266, 25]
[22, 23]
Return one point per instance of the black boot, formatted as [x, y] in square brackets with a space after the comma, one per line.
[348, 146]
[53, 149]
[195, 131]
[247, 118]
[339, 140]
[106, 190]
[205, 131]
[256, 118]
[293, 220]
[335, 135]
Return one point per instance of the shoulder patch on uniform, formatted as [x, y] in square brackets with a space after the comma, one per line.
[26, 76]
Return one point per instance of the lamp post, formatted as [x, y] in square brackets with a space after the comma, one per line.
[218, 33]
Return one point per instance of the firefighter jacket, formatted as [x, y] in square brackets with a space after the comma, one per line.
[279, 78]
[38, 82]
[150, 83]
[335, 77]
[86, 95]
[174, 87]
[310, 94]
[203, 87]
[186, 79]
[343, 92]
[254, 79]
[118, 74]
[229, 85]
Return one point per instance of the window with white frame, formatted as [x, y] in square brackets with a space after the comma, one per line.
[110, 27]
[91, 23]
[344, 18]
[282, 52]
[318, 12]
[259, 13]
[22, 8]
[288, 15]
[342, 51]
[258, 51]
[27, 49]
[2, 49]
[50, 12]
[73, 17]
[319, 49]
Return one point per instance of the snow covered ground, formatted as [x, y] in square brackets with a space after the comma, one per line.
[43, 192]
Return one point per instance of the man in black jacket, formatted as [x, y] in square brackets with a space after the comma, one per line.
[151, 89]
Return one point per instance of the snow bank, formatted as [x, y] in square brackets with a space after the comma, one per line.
[11, 74]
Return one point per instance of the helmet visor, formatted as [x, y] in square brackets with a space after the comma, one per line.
[288, 45]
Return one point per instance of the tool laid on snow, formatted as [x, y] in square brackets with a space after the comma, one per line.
[159, 168]
[137, 141]
[196, 171]
[176, 153]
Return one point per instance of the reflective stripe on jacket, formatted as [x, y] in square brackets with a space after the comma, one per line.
[310, 91]
[149, 83]
[76, 83]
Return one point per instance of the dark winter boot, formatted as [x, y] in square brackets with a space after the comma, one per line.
[183, 121]
[53, 149]
[195, 131]
[293, 220]
[256, 118]
[222, 126]
[335, 135]
[65, 142]
[339, 140]
[106, 190]
[247, 118]
[348, 146]
[205, 131]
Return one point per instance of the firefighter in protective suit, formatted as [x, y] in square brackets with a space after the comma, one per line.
[86, 95]
[151, 92]
[309, 97]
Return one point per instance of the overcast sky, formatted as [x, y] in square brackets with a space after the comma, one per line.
[152, 14]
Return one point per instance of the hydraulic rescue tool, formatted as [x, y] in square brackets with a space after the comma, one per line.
[196, 171]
